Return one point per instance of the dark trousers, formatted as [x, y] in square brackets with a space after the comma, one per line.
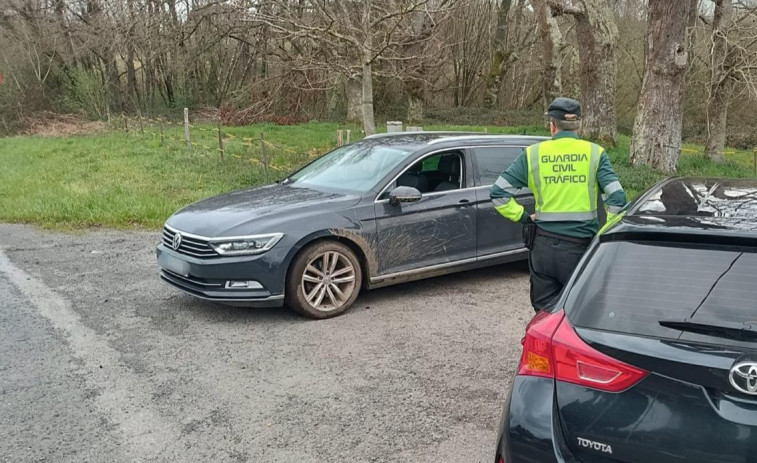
[551, 262]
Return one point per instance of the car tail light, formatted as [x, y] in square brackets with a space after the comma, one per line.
[537, 358]
[552, 349]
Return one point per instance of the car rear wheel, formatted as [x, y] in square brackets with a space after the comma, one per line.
[324, 280]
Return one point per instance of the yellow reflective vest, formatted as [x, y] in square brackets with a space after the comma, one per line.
[562, 174]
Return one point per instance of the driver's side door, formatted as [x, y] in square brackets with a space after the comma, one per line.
[438, 229]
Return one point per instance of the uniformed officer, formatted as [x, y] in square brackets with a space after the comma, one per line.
[565, 174]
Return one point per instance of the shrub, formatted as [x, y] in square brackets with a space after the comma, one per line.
[84, 93]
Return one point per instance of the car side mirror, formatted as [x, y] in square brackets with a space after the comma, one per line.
[404, 194]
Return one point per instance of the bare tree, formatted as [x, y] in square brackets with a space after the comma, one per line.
[656, 137]
[720, 82]
[552, 42]
[597, 35]
[502, 54]
[293, 60]
[469, 50]
[732, 61]
[352, 38]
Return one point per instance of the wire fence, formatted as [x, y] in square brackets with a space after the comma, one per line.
[274, 159]
[211, 141]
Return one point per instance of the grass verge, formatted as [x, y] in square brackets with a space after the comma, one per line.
[133, 180]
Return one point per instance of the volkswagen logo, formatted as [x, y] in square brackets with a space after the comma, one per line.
[176, 241]
[744, 377]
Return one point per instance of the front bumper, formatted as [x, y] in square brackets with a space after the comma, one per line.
[205, 278]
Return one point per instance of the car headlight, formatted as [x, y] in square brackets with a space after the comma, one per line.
[245, 245]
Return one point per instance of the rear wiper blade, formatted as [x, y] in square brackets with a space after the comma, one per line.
[728, 330]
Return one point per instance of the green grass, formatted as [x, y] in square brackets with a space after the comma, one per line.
[131, 181]
[124, 180]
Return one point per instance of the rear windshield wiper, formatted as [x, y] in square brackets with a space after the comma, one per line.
[728, 330]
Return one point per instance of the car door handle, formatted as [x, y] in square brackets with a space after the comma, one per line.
[464, 201]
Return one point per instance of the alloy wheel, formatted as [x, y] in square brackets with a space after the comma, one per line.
[328, 281]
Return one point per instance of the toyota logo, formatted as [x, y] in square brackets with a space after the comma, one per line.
[176, 241]
[744, 377]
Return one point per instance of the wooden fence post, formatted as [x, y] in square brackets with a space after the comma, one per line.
[348, 136]
[220, 140]
[126, 124]
[755, 160]
[160, 128]
[186, 129]
[339, 138]
[263, 156]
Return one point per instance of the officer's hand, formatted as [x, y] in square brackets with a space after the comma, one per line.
[533, 217]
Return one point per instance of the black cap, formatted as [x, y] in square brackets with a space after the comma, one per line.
[565, 109]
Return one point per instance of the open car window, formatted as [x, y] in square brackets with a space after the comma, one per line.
[433, 174]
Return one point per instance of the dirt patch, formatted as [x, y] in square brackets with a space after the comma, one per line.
[49, 124]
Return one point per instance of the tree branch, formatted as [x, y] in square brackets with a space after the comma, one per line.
[565, 7]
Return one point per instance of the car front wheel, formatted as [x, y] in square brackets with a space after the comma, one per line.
[324, 280]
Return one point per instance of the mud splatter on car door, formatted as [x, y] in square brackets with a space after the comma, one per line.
[440, 228]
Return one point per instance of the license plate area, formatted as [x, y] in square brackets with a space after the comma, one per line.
[173, 264]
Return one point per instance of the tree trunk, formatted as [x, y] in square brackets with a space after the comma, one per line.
[149, 75]
[422, 26]
[414, 109]
[336, 96]
[131, 78]
[369, 125]
[500, 58]
[114, 85]
[168, 81]
[552, 41]
[354, 91]
[717, 115]
[720, 82]
[131, 74]
[656, 140]
[597, 36]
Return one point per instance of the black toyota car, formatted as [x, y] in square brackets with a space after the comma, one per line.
[650, 354]
[387, 209]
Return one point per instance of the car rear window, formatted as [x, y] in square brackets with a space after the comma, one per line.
[629, 287]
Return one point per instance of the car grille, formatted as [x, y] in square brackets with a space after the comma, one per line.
[190, 246]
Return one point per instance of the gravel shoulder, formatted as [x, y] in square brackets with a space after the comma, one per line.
[102, 362]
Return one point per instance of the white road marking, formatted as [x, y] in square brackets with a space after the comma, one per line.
[122, 399]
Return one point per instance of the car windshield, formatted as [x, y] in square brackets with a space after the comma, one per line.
[356, 167]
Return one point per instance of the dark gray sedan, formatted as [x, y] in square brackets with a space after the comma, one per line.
[388, 209]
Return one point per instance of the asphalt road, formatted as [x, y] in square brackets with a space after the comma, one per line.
[101, 362]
